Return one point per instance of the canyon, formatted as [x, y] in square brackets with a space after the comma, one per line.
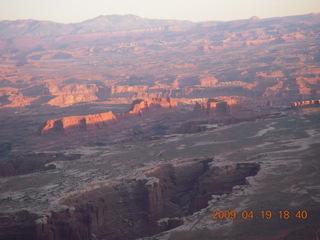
[121, 127]
[115, 191]
[141, 207]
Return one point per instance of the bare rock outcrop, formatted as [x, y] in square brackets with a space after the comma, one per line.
[91, 122]
[140, 105]
[274, 90]
[214, 106]
[133, 207]
[305, 103]
[67, 95]
[78, 123]
[12, 97]
[127, 89]
[208, 81]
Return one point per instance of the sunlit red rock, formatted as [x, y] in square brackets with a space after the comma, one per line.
[78, 123]
[140, 105]
[67, 95]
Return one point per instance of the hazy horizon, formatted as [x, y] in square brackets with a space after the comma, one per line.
[73, 11]
[153, 18]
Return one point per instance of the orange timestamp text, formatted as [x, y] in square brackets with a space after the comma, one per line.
[245, 214]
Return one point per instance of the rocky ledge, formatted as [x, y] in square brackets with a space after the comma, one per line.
[77, 123]
[155, 201]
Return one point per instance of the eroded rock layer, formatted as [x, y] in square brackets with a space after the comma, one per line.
[140, 105]
[215, 106]
[305, 103]
[78, 123]
[132, 208]
[67, 95]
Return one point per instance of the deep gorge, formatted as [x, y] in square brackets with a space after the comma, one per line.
[133, 208]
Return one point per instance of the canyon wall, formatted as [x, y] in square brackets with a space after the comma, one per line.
[130, 208]
[208, 81]
[78, 123]
[73, 124]
[67, 95]
[305, 103]
[127, 89]
[215, 106]
[140, 105]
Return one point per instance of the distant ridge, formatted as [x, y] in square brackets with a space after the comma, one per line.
[125, 22]
[106, 23]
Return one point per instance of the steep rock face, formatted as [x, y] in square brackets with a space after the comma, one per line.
[138, 106]
[78, 123]
[187, 187]
[65, 100]
[130, 208]
[90, 122]
[305, 103]
[215, 106]
[18, 226]
[67, 95]
[220, 180]
[208, 81]
[127, 89]
[176, 186]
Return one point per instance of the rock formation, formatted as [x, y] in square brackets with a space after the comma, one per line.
[131, 208]
[140, 105]
[67, 95]
[91, 122]
[127, 89]
[274, 90]
[78, 123]
[208, 81]
[214, 66]
[214, 106]
[305, 103]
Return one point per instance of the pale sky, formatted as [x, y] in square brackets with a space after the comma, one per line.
[68, 11]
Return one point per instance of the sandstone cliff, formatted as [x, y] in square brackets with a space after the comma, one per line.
[78, 123]
[130, 208]
[214, 106]
[305, 103]
[138, 106]
[127, 89]
[208, 81]
[90, 122]
[67, 95]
